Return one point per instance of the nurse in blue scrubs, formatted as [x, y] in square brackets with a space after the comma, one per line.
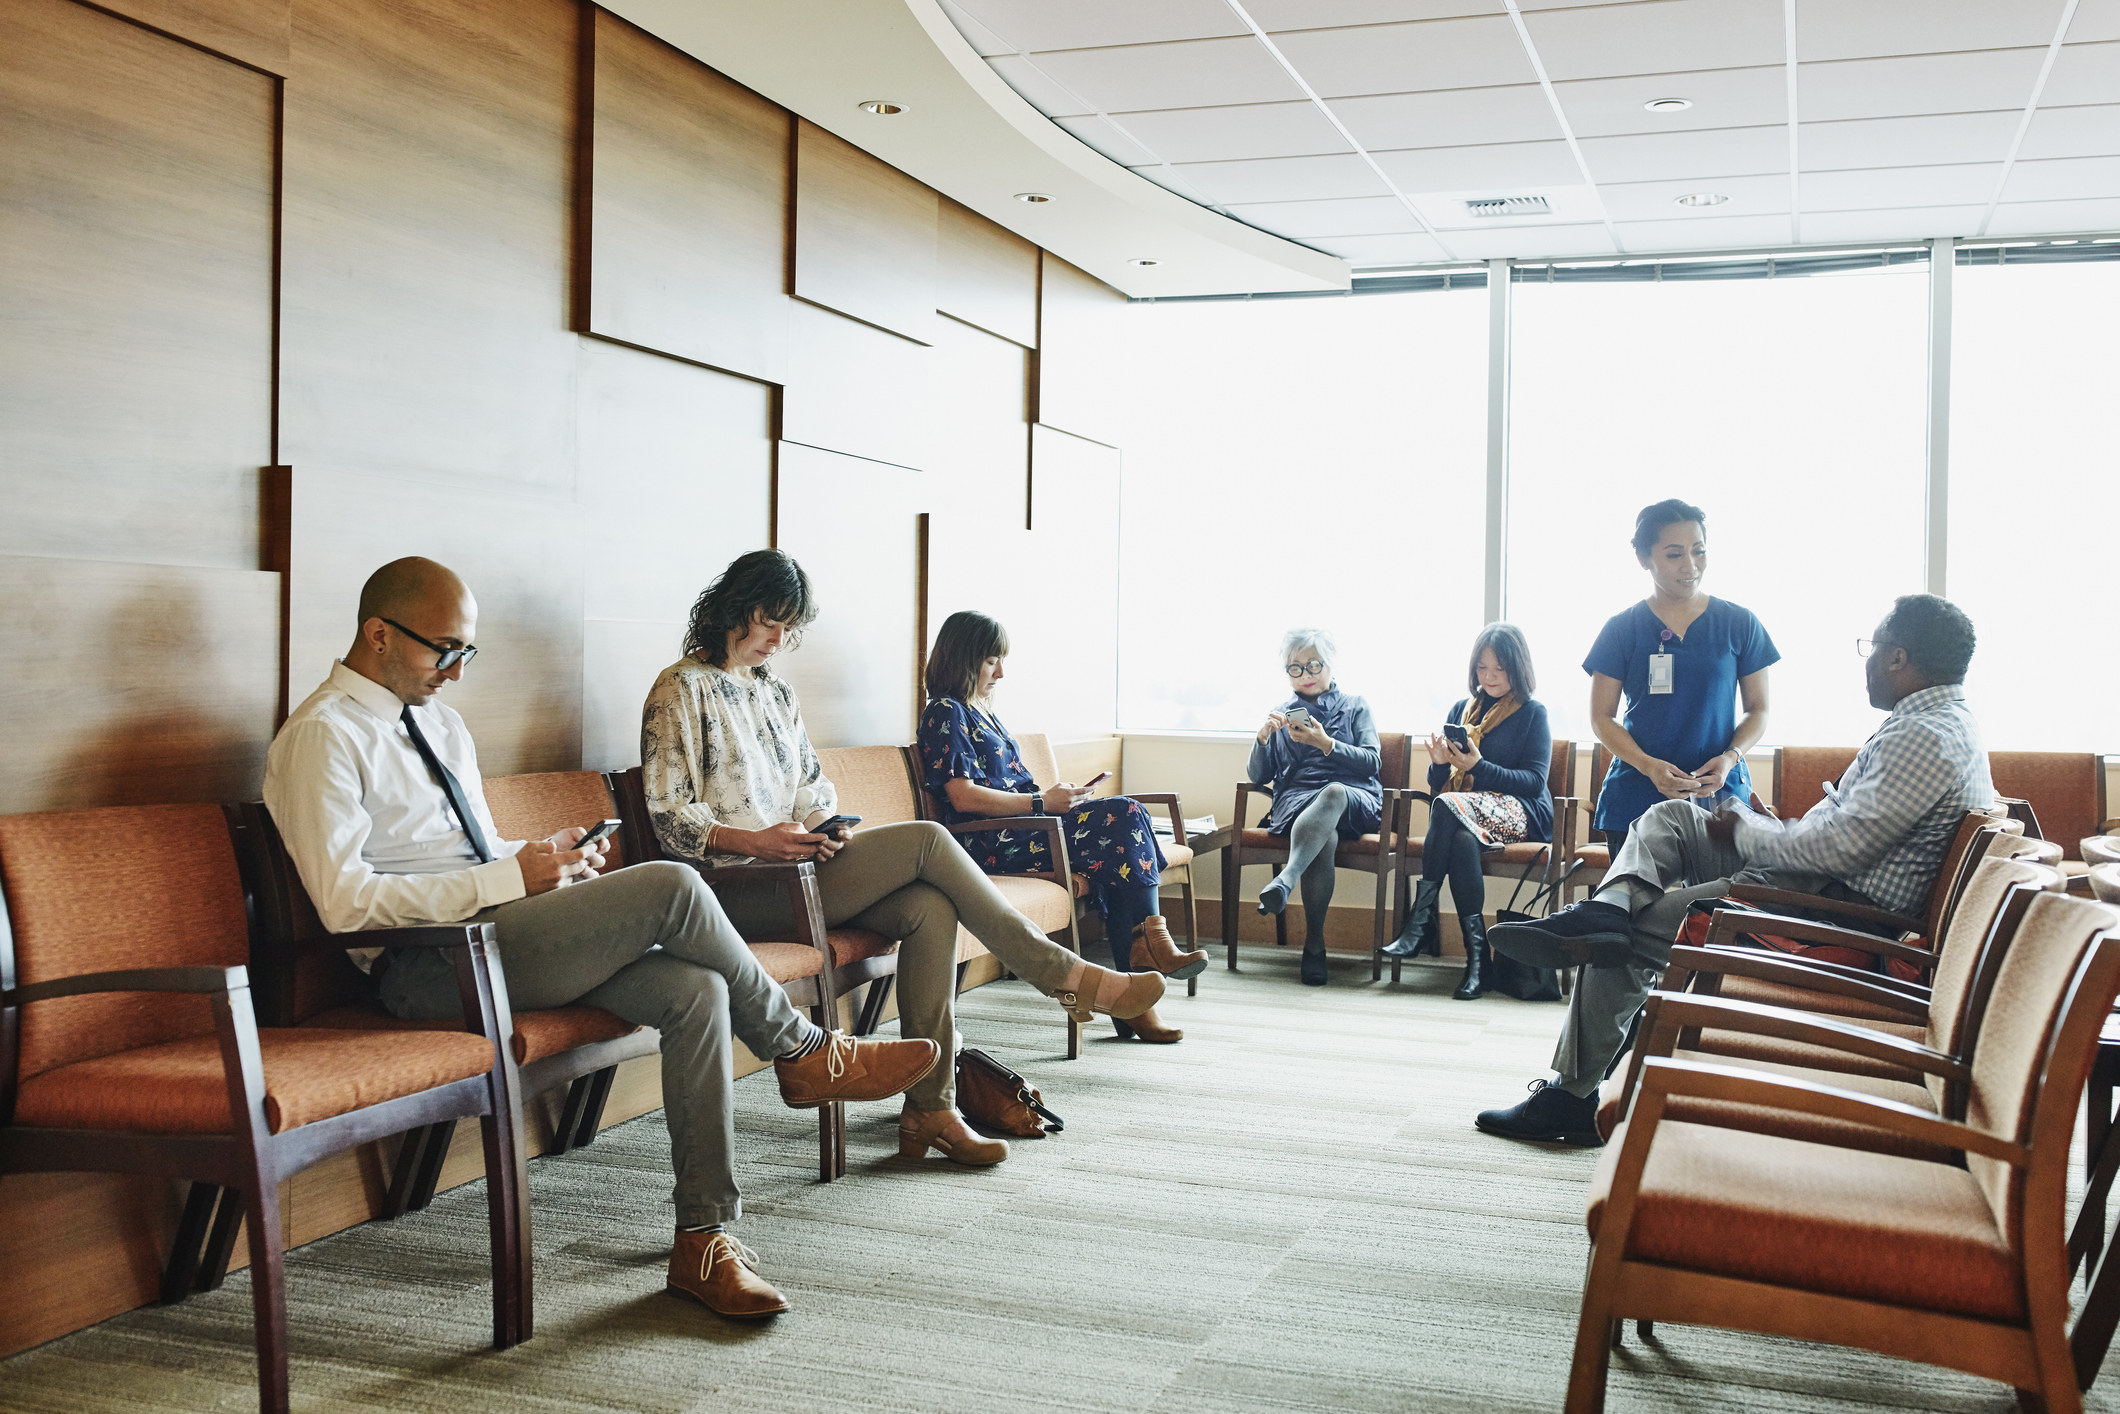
[1693, 672]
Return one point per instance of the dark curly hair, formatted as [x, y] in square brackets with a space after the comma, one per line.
[1936, 634]
[963, 644]
[765, 584]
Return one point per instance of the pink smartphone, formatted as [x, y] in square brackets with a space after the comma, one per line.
[1094, 781]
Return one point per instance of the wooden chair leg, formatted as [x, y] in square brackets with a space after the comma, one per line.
[221, 1242]
[1280, 920]
[592, 1119]
[2088, 1236]
[268, 1292]
[1192, 929]
[879, 993]
[432, 1156]
[182, 1268]
[570, 1116]
[508, 1223]
[2097, 1318]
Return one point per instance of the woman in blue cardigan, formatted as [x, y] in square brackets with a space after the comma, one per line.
[1488, 793]
[1319, 752]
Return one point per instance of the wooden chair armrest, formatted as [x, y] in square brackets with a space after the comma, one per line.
[1688, 963]
[1169, 801]
[756, 871]
[1814, 903]
[1662, 1078]
[1731, 923]
[435, 935]
[2110, 827]
[1242, 822]
[1678, 1011]
[136, 979]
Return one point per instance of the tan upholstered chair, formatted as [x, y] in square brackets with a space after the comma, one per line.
[1593, 847]
[1962, 1267]
[1377, 854]
[808, 964]
[129, 1044]
[2100, 849]
[1542, 861]
[2105, 883]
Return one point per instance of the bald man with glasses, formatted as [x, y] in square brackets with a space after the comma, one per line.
[374, 785]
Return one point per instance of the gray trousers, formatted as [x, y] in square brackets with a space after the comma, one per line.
[1669, 864]
[649, 944]
[913, 882]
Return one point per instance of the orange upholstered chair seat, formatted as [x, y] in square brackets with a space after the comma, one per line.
[538, 1034]
[1040, 900]
[179, 1087]
[1877, 1227]
[1255, 838]
[786, 962]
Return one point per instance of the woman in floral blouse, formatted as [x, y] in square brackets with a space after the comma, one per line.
[730, 776]
[974, 770]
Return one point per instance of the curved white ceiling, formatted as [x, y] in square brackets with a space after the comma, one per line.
[967, 134]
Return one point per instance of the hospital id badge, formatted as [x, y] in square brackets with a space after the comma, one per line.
[1659, 673]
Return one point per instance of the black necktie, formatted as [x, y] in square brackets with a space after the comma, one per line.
[451, 787]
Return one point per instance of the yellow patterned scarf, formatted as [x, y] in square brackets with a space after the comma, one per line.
[1482, 716]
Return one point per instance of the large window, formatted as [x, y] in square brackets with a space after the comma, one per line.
[1791, 410]
[2035, 499]
[1301, 462]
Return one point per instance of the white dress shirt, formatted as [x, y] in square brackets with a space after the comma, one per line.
[367, 824]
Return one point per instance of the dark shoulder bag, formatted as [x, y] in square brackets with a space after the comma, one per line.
[999, 1101]
[1520, 979]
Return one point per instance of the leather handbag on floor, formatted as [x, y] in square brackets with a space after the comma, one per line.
[1520, 979]
[999, 1101]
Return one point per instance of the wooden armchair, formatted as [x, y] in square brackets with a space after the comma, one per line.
[129, 1044]
[1379, 854]
[810, 966]
[1593, 847]
[1053, 898]
[1543, 861]
[1964, 1267]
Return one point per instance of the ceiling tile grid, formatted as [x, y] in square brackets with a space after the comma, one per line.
[1363, 127]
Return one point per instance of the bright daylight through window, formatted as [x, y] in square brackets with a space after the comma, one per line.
[1301, 462]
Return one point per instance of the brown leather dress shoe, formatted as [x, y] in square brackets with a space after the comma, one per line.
[716, 1270]
[1156, 950]
[1146, 1027]
[945, 1130]
[844, 1068]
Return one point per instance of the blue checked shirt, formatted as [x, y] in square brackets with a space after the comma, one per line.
[1883, 831]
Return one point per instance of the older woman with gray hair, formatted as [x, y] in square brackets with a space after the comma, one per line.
[1319, 753]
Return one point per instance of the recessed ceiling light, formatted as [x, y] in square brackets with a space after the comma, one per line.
[882, 108]
[1143, 262]
[1702, 198]
[1033, 198]
[2065, 242]
[1668, 105]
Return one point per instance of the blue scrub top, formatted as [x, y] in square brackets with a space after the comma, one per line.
[1694, 720]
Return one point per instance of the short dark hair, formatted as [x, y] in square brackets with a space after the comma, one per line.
[763, 584]
[1936, 634]
[1652, 520]
[1512, 652]
[965, 641]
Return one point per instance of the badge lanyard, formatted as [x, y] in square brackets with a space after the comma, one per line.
[1660, 666]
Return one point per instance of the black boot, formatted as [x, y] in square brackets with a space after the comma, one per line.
[1473, 985]
[1420, 937]
[1314, 965]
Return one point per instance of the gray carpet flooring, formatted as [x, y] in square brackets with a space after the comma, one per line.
[1290, 1211]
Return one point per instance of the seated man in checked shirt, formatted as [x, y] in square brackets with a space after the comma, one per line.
[1877, 839]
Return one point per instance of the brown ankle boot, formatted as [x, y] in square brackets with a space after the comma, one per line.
[945, 1130]
[1091, 989]
[715, 1269]
[1154, 948]
[1148, 1028]
[846, 1068]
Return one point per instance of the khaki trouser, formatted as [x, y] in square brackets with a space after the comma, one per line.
[913, 883]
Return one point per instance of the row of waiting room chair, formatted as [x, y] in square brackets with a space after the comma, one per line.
[171, 1004]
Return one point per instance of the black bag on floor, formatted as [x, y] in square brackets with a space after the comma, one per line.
[1520, 979]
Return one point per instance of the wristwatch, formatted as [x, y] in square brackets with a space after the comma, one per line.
[1037, 800]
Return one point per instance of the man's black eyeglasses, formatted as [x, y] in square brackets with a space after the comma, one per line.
[449, 657]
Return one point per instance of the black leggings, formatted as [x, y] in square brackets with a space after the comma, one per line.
[1450, 850]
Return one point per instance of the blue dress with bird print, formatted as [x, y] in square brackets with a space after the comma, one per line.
[1111, 841]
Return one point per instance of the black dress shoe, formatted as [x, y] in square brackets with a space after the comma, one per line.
[1550, 1114]
[1601, 934]
[1313, 968]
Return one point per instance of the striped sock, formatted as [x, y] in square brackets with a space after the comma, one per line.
[702, 1227]
[810, 1043]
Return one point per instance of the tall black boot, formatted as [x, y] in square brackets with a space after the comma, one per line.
[1421, 936]
[1313, 964]
[1473, 985]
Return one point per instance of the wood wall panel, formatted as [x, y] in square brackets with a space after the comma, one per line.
[688, 212]
[859, 391]
[136, 247]
[852, 525]
[254, 31]
[979, 491]
[134, 684]
[986, 275]
[522, 554]
[1075, 527]
[864, 235]
[428, 198]
[1078, 322]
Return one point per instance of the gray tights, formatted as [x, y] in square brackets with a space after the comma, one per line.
[1313, 841]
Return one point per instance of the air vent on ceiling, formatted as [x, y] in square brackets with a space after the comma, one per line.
[1508, 206]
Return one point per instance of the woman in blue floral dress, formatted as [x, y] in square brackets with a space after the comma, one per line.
[973, 769]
